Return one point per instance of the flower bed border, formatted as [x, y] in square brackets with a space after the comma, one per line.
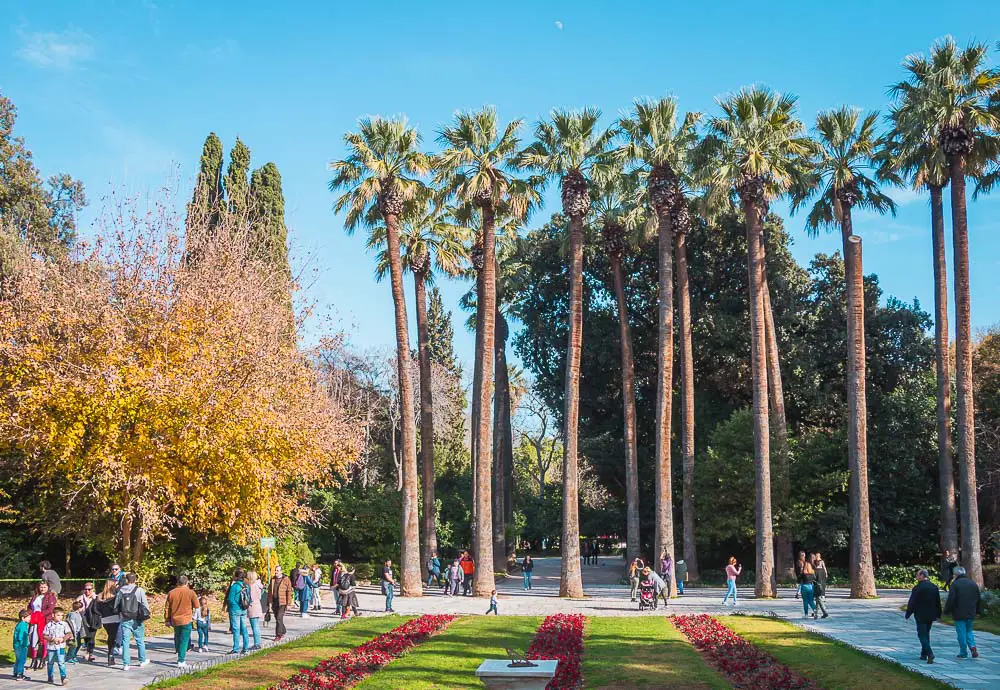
[349, 668]
[742, 662]
[560, 637]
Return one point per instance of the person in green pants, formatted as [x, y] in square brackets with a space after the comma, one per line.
[179, 611]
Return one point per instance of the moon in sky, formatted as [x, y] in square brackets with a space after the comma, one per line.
[559, 25]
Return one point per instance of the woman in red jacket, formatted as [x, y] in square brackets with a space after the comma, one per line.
[41, 606]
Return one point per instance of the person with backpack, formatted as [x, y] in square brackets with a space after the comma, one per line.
[279, 598]
[178, 614]
[237, 604]
[91, 618]
[433, 569]
[133, 607]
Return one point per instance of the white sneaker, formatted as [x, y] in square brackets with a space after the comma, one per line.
[126, 668]
[144, 663]
[182, 664]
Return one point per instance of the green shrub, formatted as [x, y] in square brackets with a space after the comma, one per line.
[902, 576]
[991, 576]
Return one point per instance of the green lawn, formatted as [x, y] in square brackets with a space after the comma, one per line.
[450, 659]
[829, 663]
[278, 663]
[643, 653]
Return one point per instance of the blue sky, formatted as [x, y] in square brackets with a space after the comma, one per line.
[122, 94]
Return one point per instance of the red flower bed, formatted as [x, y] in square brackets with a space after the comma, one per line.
[560, 636]
[346, 669]
[745, 665]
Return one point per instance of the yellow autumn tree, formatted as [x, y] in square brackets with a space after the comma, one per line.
[143, 391]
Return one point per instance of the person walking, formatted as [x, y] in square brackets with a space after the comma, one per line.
[807, 579]
[41, 605]
[388, 586]
[634, 573]
[493, 604]
[133, 607]
[51, 576]
[681, 570]
[948, 564]
[667, 573]
[305, 592]
[57, 633]
[585, 552]
[338, 568]
[659, 585]
[110, 620]
[433, 570]
[178, 613]
[733, 570]
[925, 607]
[468, 569]
[799, 562]
[279, 596]
[237, 604]
[964, 602]
[819, 588]
[91, 618]
[255, 612]
[203, 623]
[527, 566]
[455, 577]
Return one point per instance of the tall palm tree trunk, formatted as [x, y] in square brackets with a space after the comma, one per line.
[663, 533]
[764, 586]
[482, 439]
[632, 542]
[687, 400]
[426, 418]
[862, 572]
[477, 387]
[508, 448]
[501, 399]
[411, 579]
[571, 581]
[946, 471]
[969, 502]
[783, 557]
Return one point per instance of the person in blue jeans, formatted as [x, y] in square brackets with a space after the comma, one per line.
[964, 603]
[527, 565]
[236, 607]
[733, 571]
[807, 579]
[22, 640]
[133, 607]
[388, 586]
[305, 593]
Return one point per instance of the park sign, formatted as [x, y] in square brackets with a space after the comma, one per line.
[267, 542]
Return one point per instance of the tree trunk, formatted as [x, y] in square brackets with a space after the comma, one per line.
[477, 387]
[632, 541]
[67, 569]
[411, 580]
[663, 534]
[784, 563]
[946, 471]
[764, 587]
[570, 580]
[972, 557]
[426, 419]
[126, 540]
[501, 399]
[486, 292]
[862, 572]
[508, 441]
[687, 402]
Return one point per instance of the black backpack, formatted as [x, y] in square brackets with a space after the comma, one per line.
[92, 616]
[128, 605]
[243, 598]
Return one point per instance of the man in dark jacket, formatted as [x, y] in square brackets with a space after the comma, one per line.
[964, 602]
[925, 606]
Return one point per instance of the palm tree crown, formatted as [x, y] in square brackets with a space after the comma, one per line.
[380, 172]
[841, 172]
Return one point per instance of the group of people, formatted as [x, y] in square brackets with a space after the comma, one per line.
[589, 551]
[456, 574]
[645, 580]
[812, 576]
[963, 604]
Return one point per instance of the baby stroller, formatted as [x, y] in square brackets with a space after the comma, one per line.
[647, 595]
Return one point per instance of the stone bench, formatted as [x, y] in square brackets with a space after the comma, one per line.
[499, 674]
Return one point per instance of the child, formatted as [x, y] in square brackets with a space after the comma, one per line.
[493, 604]
[22, 636]
[57, 632]
[75, 620]
[203, 622]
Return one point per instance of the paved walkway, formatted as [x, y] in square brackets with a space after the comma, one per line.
[875, 626]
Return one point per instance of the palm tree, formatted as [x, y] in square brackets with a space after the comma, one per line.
[910, 150]
[753, 150]
[958, 92]
[378, 176]
[841, 176]
[566, 147]
[475, 166]
[428, 237]
[661, 143]
[618, 210]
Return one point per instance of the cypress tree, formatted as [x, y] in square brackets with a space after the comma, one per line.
[440, 333]
[268, 234]
[206, 202]
[236, 181]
